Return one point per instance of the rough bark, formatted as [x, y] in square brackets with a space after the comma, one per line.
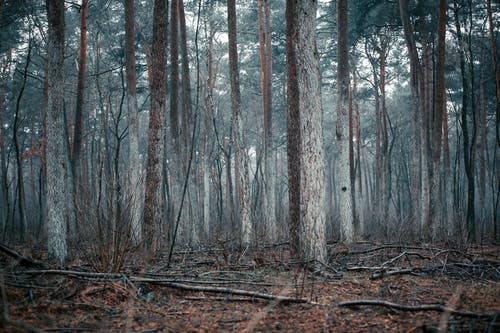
[266, 84]
[415, 110]
[154, 202]
[134, 167]
[293, 128]
[187, 116]
[174, 75]
[468, 163]
[80, 94]
[436, 208]
[306, 106]
[342, 134]
[57, 158]
[241, 159]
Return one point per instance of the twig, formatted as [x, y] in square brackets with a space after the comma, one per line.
[410, 308]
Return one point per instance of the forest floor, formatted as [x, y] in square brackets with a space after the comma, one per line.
[365, 288]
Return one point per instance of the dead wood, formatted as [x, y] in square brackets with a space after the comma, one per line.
[21, 259]
[416, 308]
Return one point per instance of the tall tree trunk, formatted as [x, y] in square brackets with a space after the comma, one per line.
[497, 124]
[293, 128]
[134, 168]
[17, 149]
[4, 204]
[438, 116]
[468, 163]
[307, 141]
[154, 202]
[174, 75]
[58, 164]
[80, 94]
[415, 109]
[241, 159]
[342, 135]
[187, 117]
[266, 86]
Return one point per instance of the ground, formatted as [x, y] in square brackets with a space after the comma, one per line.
[211, 291]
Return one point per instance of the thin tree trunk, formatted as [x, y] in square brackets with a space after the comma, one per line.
[468, 164]
[174, 75]
[80, 94]
[293, 129]
[241, 159]
[343, 170]
[17, 149]
[436, 208]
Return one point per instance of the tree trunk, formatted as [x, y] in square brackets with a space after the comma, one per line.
[134, 169]
[17, 149]
[187, 117]
[266, 86]
[154, 202]
[293, 128]
[174, 75]
[436, 209]
[415, 149]
[342, 135]
[241, 159]
[307, 140]
[80, 94]
[468, 164]
[57, 158]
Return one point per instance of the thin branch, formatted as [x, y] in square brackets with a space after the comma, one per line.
[410, 308]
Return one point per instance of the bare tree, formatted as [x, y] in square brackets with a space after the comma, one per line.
[342, 135]
[58, 164]
[241, 159]
[305, 134]
[154, 202]
[134, 185]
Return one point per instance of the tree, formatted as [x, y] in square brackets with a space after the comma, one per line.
[58, 166]
[134, 186]
[266, 87]
[305, 134]
[241, 159]
[438, 116]
[154, 202]
[342, 134]
[415, 110]
[80, 93]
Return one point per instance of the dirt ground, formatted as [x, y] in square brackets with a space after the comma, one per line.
[420, 288]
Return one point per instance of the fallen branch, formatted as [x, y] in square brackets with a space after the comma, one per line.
[410, 308]
[22, 260]
[220, 290]
[170, 284]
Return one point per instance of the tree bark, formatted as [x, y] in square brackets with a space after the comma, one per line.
[58, 164]
[135, 188]
[154, 201]
[342, 134]
[304, 78]
[415, 149]
[174, 75]
[293, 128]
[80, 94]
[241, 159]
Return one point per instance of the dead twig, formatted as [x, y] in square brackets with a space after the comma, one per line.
[416, 308]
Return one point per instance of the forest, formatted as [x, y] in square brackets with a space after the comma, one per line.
[252, 165]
